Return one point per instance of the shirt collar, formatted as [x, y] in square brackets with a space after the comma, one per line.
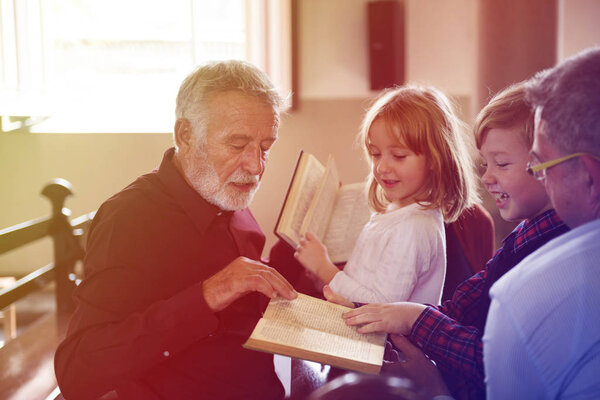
[200, 211]
[533, 228]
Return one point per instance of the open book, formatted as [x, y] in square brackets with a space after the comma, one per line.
[313, 329]
[317, 202]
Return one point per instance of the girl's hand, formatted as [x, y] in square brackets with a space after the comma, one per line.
[395, 318]
[333, 297]
[313, 255]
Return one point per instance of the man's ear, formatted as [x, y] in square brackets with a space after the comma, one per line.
[592, 169]
[183, 134]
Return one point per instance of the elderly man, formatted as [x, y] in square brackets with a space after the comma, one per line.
[542, 337]
[172, 287]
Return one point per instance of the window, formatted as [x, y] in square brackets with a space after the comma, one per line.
[116, 65]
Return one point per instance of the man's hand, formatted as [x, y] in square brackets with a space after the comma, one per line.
[313, 256]
[395, 318]
[413, 364]
[243, 276]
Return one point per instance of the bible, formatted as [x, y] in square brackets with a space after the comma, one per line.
[313, 329]
[316, 201]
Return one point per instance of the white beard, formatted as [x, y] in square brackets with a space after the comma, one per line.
[205, 181]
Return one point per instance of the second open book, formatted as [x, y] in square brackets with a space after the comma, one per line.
[317, 202]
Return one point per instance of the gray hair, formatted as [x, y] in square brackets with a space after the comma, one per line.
[221, 76]
[569, 95]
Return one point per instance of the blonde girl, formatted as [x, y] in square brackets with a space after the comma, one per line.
[421, 175]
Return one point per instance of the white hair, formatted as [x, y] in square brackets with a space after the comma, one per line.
[206, 80]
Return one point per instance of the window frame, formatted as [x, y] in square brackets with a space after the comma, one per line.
[25, 65]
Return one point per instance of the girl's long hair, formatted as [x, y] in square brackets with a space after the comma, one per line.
[423, 120]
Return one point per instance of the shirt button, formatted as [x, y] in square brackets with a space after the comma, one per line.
[166, 354]
[219, 213]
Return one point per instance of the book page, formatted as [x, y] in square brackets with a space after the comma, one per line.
[351, 213]
[318, 215]
[316, 325]
[304, 187]
[316, 314]
[317, 341]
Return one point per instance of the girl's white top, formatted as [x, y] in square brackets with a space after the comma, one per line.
[400, 255]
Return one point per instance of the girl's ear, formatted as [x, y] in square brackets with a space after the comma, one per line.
[183, 134]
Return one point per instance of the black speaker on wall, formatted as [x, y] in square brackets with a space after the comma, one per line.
[386, 43]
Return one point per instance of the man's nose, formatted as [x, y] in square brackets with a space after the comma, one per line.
[253, 161]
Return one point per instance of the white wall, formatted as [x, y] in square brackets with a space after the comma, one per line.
[440, 37]
[333, 49]
[579, 26]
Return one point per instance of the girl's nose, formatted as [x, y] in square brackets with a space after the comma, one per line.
[382, 166]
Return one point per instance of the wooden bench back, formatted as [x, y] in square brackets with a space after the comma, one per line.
[26, 363]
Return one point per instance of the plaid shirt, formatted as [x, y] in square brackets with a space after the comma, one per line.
[447, 333]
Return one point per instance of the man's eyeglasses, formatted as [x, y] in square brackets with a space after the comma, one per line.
[538, 171]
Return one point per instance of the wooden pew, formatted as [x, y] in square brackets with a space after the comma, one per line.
[26, 362]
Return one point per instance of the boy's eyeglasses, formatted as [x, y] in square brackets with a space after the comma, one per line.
[539, 171]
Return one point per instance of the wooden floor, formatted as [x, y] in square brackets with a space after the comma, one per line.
[27, 362]
[32, 308]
